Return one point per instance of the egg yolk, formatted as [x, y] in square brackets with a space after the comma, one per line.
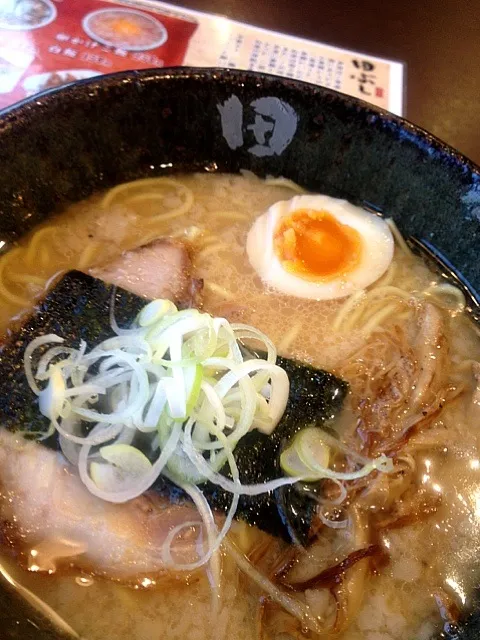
[315, 246]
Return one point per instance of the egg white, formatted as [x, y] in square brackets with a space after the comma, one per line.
[377, 248]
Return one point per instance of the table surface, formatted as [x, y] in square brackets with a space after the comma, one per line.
[437, 39]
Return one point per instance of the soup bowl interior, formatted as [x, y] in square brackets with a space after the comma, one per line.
[66, 144]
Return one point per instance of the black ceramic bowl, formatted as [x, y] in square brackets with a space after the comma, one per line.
[67, 143]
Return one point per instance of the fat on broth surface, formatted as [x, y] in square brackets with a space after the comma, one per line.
[429, 557]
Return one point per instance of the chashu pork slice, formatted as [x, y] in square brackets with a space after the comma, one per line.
[160, 269]
[49, 515]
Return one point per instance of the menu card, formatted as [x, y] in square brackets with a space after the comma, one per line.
[47, 43]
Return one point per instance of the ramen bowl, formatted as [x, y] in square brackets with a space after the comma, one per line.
[65, 144]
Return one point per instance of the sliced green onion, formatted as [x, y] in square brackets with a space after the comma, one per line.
[294, 466]
[155, 311]
[180, 378]
[312, 449]
[308, 457]
[126, 465]
[193, 383]
[27, 357]
[51, 399]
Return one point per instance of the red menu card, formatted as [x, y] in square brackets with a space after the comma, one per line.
[45, 43]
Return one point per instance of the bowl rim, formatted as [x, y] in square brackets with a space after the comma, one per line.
[417, 134]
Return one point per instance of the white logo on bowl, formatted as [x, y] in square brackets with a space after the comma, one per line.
[471, 200]
[273, 127]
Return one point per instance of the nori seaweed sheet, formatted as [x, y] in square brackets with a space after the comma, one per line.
[78, 309]
[315, 398]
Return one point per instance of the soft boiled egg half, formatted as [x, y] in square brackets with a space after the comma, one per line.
[318, 247]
